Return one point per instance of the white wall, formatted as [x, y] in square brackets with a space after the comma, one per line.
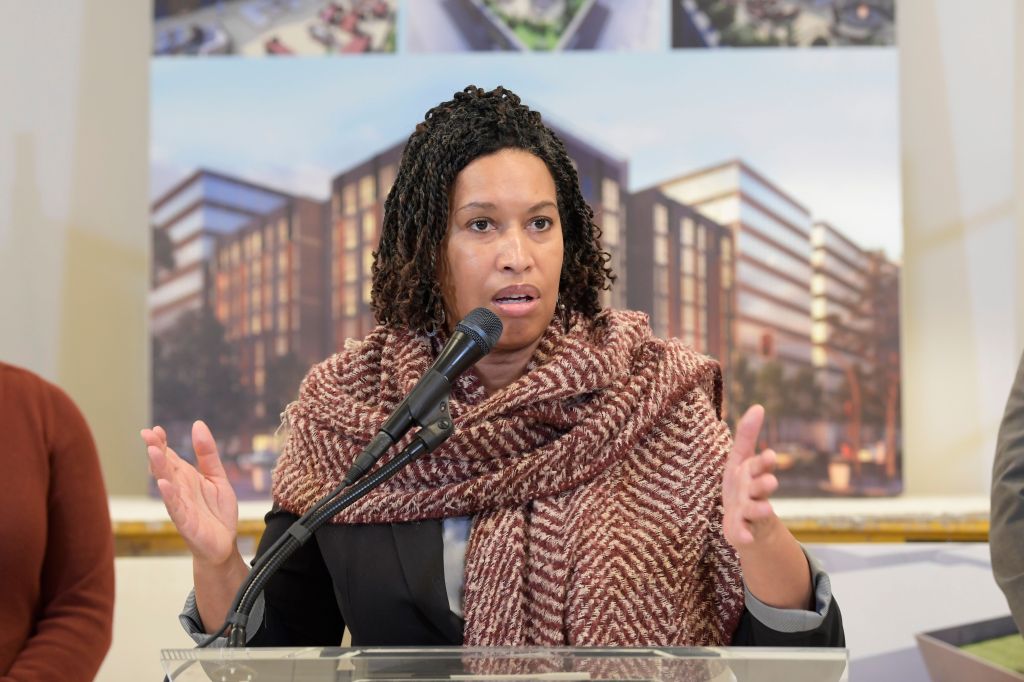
[962, 99]
[74, 244]
[150, 594]
[74, 211]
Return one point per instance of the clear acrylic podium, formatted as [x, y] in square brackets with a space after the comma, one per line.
[464, 664]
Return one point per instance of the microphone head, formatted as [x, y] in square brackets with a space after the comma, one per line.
[483, 325]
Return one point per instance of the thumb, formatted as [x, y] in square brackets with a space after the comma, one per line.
[207, 459]
[746, 433]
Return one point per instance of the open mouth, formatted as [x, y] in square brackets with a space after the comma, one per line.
[517, 300]
[523, 298]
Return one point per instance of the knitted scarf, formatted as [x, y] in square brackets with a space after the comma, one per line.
[594, 481]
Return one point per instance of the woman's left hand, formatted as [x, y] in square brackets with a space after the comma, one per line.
[747, 483]
[774, 566]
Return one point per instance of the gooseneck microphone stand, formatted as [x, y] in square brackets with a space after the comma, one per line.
[425, 406]
[436, 429]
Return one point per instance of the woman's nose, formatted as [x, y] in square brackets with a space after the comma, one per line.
[514, 252]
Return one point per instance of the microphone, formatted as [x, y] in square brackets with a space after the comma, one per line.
[472, 339]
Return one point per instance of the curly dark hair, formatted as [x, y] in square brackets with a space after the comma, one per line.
[475, 123]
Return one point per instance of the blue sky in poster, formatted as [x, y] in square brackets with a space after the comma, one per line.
[821, 124]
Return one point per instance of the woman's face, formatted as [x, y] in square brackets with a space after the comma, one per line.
[503, 250]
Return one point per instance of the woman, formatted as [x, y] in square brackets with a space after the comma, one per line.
[591, 493]
[56, 547]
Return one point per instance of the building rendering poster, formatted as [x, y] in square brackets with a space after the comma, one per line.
[750, 198]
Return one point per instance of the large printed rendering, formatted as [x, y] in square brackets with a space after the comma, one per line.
[534, 25]
[256, 28]
[783, 23]
[750, 202]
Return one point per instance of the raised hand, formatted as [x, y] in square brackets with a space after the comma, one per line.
[747, 483]
[774, 566]
[199, 499]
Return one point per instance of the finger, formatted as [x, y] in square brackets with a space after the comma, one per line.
[205, 448]
[158, 464]
[746, 433]
[180, 511]
[762, 487]
[743, 534]
[172, 501]
[761, 464]
[157, 437]
[757, 510]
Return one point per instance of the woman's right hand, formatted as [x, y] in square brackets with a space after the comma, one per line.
[200, 501]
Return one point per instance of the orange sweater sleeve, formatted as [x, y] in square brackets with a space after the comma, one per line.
[73, 578]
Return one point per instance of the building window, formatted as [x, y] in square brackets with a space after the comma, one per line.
[819, 332]
[610, 194]
[818, 285]
[349, 234]
[818, 308]
[610, 229]
[689, 322]
[350, 271]
[387, 179]
[369, 228]
[660, 219]
[366, 191]
[350, 302]
[688, 232]
[586, 186]
[661, 249]
[367, 262]
[349, 198]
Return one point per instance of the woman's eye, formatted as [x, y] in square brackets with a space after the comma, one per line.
[479, 225]
[541, 223]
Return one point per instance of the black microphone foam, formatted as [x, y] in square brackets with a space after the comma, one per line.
[482, 324]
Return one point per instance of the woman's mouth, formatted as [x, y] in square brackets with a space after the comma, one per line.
[518, 300]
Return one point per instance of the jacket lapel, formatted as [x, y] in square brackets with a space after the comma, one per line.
[420, 552]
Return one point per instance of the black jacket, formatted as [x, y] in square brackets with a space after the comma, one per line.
[388, 586]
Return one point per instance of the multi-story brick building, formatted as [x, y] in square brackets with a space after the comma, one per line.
[252, 254]
[772, 257]
[682, 272]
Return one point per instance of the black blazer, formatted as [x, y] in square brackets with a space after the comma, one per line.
[388, 587]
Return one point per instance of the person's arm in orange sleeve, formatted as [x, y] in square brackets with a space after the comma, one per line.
[73, 630]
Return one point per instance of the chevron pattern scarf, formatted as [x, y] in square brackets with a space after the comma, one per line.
[594, 482]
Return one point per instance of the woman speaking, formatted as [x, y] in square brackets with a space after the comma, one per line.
[591, 493]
